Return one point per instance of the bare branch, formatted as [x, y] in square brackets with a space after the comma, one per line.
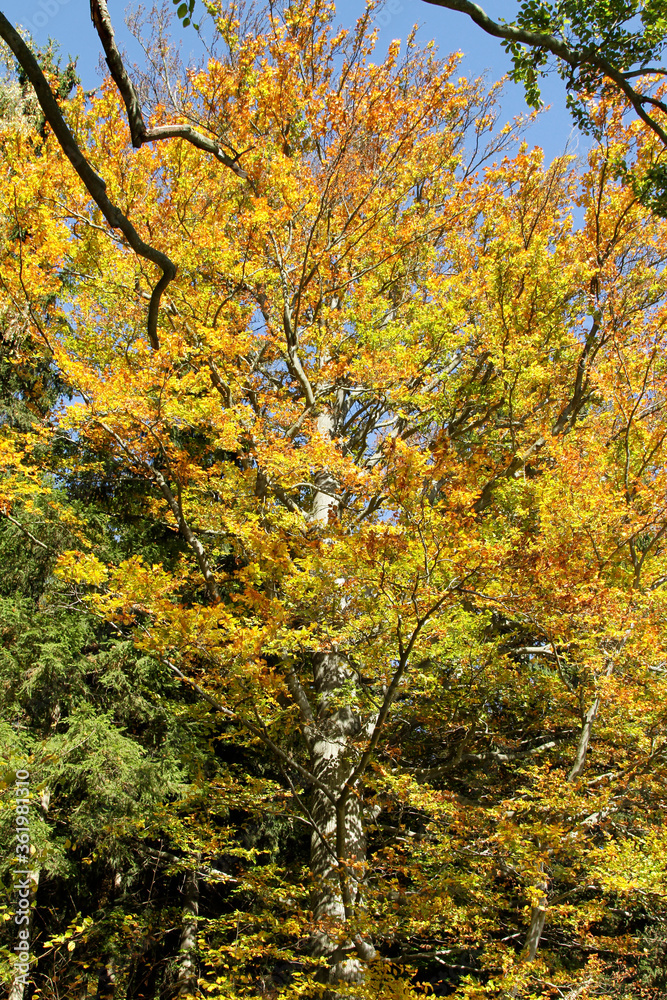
[26, 532]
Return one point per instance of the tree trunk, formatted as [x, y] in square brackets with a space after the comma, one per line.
[327, 487]
[17, 990]
[538, 915]
[337, 846]
[187, 965]
[181, 977]
[584, 740]
[106, 982]
[143, 984]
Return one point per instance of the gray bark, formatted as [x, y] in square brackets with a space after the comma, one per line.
[16, 991]
[338, 847]
[538, 916]
[181, 978]
[326, 486]
[187, 965]
[584, 740]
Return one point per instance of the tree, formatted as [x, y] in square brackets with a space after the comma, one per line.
[387, 502]
[594, 45]
[597, 46]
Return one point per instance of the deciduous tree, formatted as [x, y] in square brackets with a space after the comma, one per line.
[402, 447]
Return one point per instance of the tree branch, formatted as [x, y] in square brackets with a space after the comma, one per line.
[536, 39]
[295, 688]
[550, 43]
[94, 184]
[254, 729]
[176, 509]
[139, 132]
[26, 532]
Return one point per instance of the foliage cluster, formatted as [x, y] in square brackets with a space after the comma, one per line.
[334, 630]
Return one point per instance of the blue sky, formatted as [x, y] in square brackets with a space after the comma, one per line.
[68, 21]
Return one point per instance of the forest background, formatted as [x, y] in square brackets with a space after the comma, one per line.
[333, 517]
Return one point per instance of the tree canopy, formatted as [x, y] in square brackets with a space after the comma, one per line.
[600, 46]
[618, 43]
[333, 588]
